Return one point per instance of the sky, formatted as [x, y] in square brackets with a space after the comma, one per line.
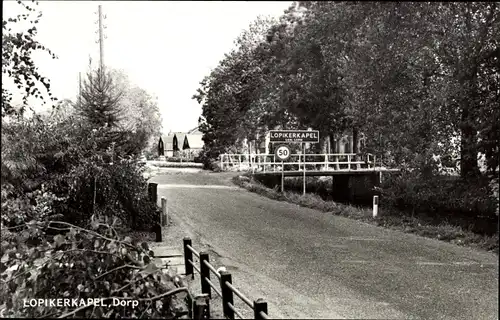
[165, 47]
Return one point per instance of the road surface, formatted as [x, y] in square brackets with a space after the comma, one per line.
[310, 264]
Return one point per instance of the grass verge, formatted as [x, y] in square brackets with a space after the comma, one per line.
[387, 218]
[166, 164]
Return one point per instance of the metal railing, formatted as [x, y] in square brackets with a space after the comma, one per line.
[227, 290]
[297, 162]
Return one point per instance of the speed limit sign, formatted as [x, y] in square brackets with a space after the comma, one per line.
[282, 152]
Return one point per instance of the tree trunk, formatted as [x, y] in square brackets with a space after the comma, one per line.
[468, 144]
[333, 143]
[355, 146]
[323, 142]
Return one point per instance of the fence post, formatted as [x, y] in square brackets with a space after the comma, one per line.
[205, 274]
[164, 216]
[201, 307]
[221, 163]
[227, 294]
[375, 206]
[188, 255]
[157, 230]
[259, 305]
[152, 192]
[326, 162]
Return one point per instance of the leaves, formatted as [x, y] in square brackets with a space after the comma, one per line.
[18, 65]
[58, 240]
[92, 271]
[412, 77]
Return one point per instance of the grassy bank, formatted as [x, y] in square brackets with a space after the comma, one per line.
[166, 164]
[388, 218]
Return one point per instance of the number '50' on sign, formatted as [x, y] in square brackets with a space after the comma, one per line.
[282, 152]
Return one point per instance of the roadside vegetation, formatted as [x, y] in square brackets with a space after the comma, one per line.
[388, 216]
[418, 80]
[73, 193]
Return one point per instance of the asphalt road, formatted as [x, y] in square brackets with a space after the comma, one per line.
[310, 264]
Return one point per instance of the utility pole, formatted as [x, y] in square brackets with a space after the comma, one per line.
[101, 37]
[79, 89]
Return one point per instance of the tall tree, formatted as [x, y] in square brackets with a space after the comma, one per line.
[100, 99]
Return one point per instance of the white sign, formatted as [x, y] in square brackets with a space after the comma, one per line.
[282, 152]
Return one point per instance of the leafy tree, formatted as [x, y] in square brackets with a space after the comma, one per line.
[17, 62]
[414, 77]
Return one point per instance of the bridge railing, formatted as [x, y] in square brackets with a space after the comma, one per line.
[296, 162]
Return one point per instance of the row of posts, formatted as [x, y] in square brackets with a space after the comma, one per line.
[163, 219]
[201, 305]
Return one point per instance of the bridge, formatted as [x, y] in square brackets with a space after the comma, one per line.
[353, 175]
[313, 164]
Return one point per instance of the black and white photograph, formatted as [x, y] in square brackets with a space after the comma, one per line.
[250, 160]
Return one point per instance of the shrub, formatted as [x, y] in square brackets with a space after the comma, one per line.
[118, 189]
[33, 206]
[84, 263]
[76, 164]
[209, 159]
[412, 191]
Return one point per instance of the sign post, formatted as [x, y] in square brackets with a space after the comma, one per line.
[282, 177]
[282, 153]
[293, 136]
[304, 178]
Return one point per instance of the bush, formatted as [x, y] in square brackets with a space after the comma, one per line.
[209, 160]
[197, 159]
[84, 263]
[73, 162]
[412, 191]
[120, 190]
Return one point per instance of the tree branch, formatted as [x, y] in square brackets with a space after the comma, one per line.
[93, 233]
[116, 269]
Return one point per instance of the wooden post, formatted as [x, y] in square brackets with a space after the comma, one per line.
[158, 228]
[300, 156]
[326, 162]
[239, 162]
[221, 162]
[349, 161]
[259, 306]
[274, 162]
[164, 214]
[152, 192]
[205, 274]
[375, 206]
[201, 307]
[227, 294]
[188, 255]
[304, 179]
[282, 177]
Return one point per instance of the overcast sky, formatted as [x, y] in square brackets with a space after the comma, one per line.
[165, 47]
